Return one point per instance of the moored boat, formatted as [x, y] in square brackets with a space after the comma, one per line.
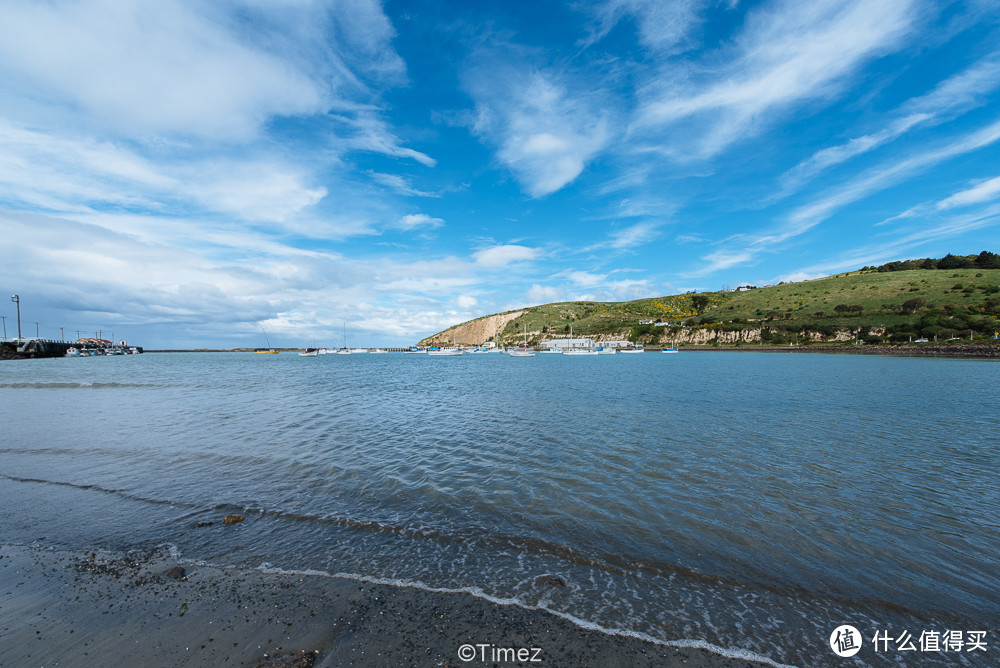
[522, 350]
[444, 352]
[579, 352]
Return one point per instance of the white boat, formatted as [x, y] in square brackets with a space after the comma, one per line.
[309, 352]
[605, 351]
[632, 350]
[343, 351]
[378, 351]
[577, 351]
[522, 350]
[551, 351]
[444, 352]
[72, 352]
[358, 351]
[670, 350]
[415, 351]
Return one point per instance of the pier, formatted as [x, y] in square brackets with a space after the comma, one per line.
[14, 349]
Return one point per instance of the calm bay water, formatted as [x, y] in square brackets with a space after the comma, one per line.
[750, 501]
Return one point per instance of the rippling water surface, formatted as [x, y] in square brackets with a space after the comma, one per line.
[750, 501]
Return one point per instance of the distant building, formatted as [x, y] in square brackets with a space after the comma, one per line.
[569, 343]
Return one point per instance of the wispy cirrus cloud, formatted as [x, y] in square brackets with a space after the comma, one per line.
[398, 184]
[744, 249]
[953, 96]
[874, 180]
[413, 221]
[544, 129]
[126, 104]
[983, 191]
[502, 255]
[664, 27]
[788, 53]
[67, 174]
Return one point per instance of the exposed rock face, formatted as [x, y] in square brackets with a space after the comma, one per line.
[475, 332]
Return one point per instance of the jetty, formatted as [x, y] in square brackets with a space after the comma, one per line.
[26, 348]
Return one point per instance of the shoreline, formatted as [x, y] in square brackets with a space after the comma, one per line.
[60, 607]
[968, 350]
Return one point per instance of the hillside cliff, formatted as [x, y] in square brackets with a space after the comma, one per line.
[475, 332]
[873, 305]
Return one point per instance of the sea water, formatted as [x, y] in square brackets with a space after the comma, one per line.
[746, 502]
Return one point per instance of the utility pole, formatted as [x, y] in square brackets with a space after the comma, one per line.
[17, 300]
[62, 334]
[37, 336]
[4, 318]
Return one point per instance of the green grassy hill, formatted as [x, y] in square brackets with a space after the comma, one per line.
[876, 306]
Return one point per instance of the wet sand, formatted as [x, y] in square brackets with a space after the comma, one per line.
[62, 608]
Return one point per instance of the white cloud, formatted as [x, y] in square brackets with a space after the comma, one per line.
[543, 294]
[982, 192]
[152, 67]
[798, 276]
[585, 278]
[747, 248]
[721, 260]
[812, 214]
[415, 220]
[398, 184]
[664, 27]
[466, 301]
[789, 52]
[955, 95]
[60, 173]
[501, 256]
[634, 235]
[544, 132]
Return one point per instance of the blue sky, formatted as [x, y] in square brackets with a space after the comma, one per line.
[189, 174]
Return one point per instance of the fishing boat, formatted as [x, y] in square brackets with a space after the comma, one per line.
[309, 352]
[579, 352]
[265, 351]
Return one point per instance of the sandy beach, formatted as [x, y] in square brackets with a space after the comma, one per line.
[61, 608]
